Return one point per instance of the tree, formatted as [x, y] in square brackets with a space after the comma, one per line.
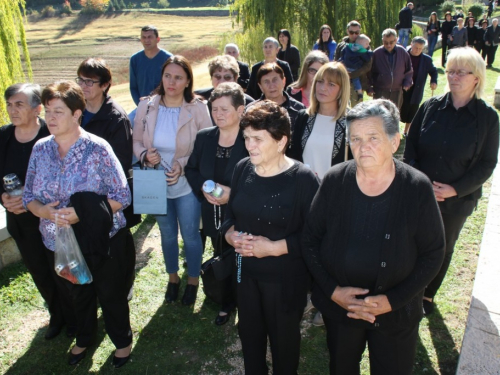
[304, 18]
[12, 31]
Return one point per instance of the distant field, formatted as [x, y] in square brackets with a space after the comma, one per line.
[58, 45]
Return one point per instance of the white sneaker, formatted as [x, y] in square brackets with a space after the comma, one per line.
[309, 305]
[318, 320]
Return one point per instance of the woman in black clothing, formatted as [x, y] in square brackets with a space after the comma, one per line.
[288, 52]
[446, 29]
[16, 142]
[472, 31]
[480, 46]
[453, 139]
[319, 134]
[270, 197]
[107, 119]
[215, 154]
[372, 241]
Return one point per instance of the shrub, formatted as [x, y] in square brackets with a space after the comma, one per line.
[48, 11]
[162, 4]
[447, 6]
[66, 8]
[145, 5]
[94, 6]
[477, 10]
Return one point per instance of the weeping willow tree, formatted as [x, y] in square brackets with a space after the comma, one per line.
[12, 31]
[261, 18]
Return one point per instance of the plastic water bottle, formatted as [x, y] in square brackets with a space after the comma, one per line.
[12, 185]
[79, 272]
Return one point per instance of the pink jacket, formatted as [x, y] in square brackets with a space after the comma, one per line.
[194, 116]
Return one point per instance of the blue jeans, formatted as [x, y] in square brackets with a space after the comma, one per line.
[432, 40]
[404, 36]
[184, 213]
[356, 83]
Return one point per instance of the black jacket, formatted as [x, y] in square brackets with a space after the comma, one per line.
[468, 186]
[201, 167]
[492, 36]
[303, 128]
[405, 18]
[244, 76]
[292, 56]
[426, 67]
[447, 28]
[411, 254]
[253, 87]
[112, 124]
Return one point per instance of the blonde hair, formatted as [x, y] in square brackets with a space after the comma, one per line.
[311, 58]
[333, 72]
[363, 37]
[471, 60]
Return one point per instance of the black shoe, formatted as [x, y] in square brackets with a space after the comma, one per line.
[428, 307]
[75, 358]
[189, 296]
[71, 331]
[119, 362]
[220, 320]
[172, 292]
[52, 332]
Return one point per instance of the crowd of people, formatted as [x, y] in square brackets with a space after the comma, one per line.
[316, 207]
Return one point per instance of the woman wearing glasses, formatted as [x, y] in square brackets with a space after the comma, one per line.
[300, 90]
[164, 133]
[453, 139]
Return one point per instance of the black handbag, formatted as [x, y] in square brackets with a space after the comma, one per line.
[216, 273]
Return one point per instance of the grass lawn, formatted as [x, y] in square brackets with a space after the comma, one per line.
[174, 339]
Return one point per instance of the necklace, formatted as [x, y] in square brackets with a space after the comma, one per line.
[217, 222]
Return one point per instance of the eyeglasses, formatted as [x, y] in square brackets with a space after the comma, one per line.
[226, 77]
[353, 32]
[88, 82]
[460, 73]
[312, 71]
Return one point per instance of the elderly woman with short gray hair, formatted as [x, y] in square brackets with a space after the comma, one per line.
[373, 251]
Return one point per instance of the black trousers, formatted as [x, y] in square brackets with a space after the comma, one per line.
[444, 47]
[392, 350]
[482, 49]
[395, 96]
[453, 224]
[492, 50]
[111, 286]
[40, 263]
[261, 315]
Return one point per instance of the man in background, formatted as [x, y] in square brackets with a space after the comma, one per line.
[232, 49]
[405, 24]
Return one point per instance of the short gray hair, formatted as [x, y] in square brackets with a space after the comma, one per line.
[231, 45]
[389, 32]
[419, 40]
[382, 108]
[31, 90]
[271, 40]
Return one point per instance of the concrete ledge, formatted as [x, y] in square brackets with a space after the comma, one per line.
[480, 353]
[496, 100]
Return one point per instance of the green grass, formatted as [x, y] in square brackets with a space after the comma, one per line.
[174, 339]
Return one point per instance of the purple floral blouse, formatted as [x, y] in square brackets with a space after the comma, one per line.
[90, 165]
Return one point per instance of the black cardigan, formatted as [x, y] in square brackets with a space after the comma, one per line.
[201, 167]
[412, 250]
[292, 56]
[291, 265]
[300, 136]
[468, 186]
[112, 124]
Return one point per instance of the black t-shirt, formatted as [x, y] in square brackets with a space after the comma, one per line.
[368, 221]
